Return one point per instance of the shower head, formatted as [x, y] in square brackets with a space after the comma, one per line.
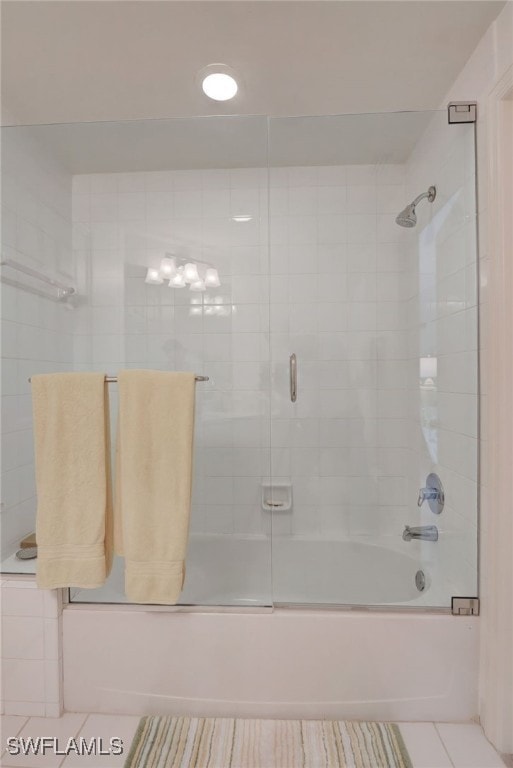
[408, 217]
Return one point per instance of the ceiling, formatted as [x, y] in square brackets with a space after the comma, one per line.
[107, 60]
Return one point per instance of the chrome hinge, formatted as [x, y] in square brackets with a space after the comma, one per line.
[465, 606]
[462, 112]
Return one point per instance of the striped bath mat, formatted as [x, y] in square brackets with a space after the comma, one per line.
[190, 742]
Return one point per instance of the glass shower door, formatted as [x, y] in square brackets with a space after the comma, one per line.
[141, 205]
[382, 321]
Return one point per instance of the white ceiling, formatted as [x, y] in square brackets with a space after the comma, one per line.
[108, 60]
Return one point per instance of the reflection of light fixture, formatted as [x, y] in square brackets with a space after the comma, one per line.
[153, 277]
[181, 271]
[209, 310]
[190, 272]
[167, 267]
[242, 219]
[212, 278]
[178, 280]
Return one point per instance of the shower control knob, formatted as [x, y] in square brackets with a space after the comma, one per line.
[433, 493]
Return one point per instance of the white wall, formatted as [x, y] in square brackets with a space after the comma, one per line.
[36, 232]
[31, 648]
[490, 61]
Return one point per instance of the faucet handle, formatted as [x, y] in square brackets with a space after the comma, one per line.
[427, 493]
[433, 493]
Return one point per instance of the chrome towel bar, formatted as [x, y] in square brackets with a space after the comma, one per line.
[113, 379]
[63, 291]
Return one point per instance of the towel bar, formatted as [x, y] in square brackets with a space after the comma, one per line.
[113, 379]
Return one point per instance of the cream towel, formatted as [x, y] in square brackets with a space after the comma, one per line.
[74, 496]
[153, 481]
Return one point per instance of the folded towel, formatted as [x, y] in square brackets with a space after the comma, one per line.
[74, 498]
[153, 481]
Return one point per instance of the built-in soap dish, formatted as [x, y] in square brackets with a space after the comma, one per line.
[277, 497]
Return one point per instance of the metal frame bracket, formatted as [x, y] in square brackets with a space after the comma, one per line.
[462, 112]
[465, 606]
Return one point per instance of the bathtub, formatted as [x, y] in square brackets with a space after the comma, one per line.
[276, 662]
[232, 571]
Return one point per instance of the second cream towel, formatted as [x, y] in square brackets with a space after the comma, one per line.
[153, 481]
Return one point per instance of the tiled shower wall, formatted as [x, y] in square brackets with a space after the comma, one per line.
[339, 288]
[125, 222]
[443, 327]
[36, 332]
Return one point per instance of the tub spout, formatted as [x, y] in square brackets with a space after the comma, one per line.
[423, 532]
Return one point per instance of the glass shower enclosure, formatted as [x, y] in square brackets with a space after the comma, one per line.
[337, 416]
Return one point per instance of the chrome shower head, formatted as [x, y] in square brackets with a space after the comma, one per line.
[408, 217]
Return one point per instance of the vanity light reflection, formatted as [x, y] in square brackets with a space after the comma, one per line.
[198, 275]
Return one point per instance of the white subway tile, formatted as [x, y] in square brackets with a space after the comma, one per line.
[23, 680]
[331, 229]
[131, 206]
[22, 637]
[99, 183]
[360, 174]
[130, 182]
[21, 602]
[52, 681]
[103, 207]
[25, 708]
[331, 175]
[332, 200]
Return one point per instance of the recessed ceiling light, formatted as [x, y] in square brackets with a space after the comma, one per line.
[219, 86]
[219, 81]
[242, 219]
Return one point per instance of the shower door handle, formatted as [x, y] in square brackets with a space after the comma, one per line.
[293, 378]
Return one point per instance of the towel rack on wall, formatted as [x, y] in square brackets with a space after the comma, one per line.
[113, 379]
[62, 291]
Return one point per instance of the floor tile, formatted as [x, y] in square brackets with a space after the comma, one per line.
[105, 727]
[468, 747]
[62, 728]
[11, 725]
[424, 745]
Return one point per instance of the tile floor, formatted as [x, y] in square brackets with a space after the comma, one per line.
[430, 745]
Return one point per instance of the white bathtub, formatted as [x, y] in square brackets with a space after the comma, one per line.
[346, 573]
[229, 570]
[281, 663]
[286, 662]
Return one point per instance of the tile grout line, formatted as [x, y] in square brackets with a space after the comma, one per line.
[4, 750]
[81, 726]
[443, 743]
